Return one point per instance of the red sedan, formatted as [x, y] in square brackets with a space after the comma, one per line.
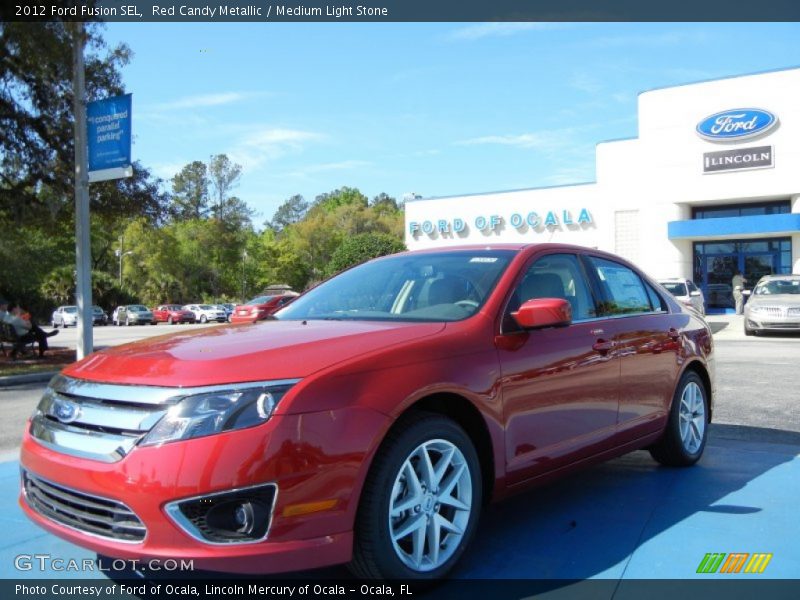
[260, 307]
[373, 417]
[172, 313]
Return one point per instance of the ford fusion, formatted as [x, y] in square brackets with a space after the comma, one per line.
[370, 420]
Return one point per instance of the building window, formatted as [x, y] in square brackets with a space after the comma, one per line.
[779, 207]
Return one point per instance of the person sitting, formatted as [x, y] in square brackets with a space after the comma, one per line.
[27, 331]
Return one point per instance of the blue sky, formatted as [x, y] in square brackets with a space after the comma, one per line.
[431, 108]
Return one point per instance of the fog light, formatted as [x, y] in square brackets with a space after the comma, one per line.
[241, 516]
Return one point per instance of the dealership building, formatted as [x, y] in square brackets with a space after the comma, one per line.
[711, 185]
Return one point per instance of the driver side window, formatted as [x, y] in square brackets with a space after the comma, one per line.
[553, 276]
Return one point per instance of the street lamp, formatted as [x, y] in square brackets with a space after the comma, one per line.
[244, 281]
[120, 253]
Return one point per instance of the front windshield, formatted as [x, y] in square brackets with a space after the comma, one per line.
[260, 300]
[71, 309]
[137, 308]
[206, 307]
[778, 286]
[446, 286]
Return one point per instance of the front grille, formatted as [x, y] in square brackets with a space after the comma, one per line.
[794, 311]
[769, 311]
[87, 513]
[780, 325]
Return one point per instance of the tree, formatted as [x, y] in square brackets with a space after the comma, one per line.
[291, 211]
[223, 175]
[360, 248]
[36, 115]
[190, 192]
[341, 197]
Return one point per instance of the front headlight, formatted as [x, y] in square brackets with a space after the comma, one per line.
[215, 412]
[758, 309]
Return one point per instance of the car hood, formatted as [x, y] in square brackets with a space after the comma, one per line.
[265, 350]
[774, 300]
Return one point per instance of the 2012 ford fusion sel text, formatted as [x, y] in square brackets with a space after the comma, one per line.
[372, 418]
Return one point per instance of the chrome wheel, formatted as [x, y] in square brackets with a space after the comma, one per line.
[692, 417]
[430, 505]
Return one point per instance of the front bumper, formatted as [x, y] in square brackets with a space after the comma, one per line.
[315, 460]
[755, 321]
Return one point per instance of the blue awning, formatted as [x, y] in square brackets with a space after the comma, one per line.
[727, 227]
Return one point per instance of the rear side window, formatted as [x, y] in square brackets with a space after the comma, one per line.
[624, 292]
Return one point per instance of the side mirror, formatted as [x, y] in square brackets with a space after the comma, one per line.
[543, 312]
[746, 292]
[695, 293]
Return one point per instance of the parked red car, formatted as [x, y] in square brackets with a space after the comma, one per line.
[260, 307]
[369, 422]
[172, 313]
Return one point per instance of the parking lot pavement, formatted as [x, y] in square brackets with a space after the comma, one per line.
[625, 520]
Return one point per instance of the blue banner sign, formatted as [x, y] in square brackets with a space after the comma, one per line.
[736, 124]
[108, 125]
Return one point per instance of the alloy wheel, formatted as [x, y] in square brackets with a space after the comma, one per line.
[692, 417]
[430, 505]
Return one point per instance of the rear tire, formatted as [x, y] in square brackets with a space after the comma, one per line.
[421, 502]
[686, 433]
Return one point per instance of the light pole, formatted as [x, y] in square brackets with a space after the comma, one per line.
[244, 281]
[121, 254]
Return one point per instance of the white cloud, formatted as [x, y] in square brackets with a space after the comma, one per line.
[264, 144]
[167, 171]
[539, 140]
[206, 100]
[484, 30]
[659, 40]
[344, 165]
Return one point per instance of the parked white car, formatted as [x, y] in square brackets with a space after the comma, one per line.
[64, 316]
[685, 292]
[206, 312]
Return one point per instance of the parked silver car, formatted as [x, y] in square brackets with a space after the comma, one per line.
[133, 314]
[204, 313]
[64, 316]
[774, 305]
[686, 292]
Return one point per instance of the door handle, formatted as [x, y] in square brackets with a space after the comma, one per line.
[603, 346]
[674, 334]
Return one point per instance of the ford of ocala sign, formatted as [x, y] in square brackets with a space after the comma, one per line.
[736, 124]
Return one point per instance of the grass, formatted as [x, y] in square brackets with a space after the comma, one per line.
[55, 359]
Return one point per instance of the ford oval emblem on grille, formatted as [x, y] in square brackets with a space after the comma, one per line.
[736, 124]
[66, 411]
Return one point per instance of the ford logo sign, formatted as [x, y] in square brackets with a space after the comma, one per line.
[736, 124]
[66, 411]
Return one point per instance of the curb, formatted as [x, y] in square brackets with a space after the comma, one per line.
[12, 380]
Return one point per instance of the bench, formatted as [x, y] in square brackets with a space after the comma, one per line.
[8, 335]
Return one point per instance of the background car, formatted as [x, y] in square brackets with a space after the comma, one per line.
[774, 305]
[133, 314]
[226, 308]
[99, 316]
[64, 316]
[260, 307]
[686, 292]
[205, 313]
[172, 313]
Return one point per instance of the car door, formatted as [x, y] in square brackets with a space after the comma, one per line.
[560, 385]
[646, 342]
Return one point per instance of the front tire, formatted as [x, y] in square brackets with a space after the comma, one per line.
[421, 502]
[686, 433]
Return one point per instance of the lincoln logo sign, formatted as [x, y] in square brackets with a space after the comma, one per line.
[736, 124]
